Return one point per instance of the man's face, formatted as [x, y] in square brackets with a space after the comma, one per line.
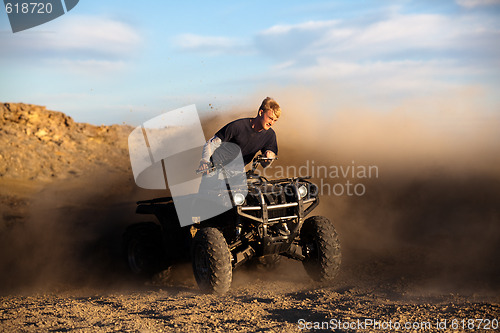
[267, 119]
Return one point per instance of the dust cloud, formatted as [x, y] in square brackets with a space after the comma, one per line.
[429, 217]
[71, 235]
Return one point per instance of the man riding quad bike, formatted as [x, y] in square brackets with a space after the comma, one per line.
[267, 219]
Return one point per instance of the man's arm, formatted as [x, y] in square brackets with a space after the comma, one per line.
[270, 149]
[208, 149]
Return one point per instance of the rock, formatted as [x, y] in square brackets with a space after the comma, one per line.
[41, 133]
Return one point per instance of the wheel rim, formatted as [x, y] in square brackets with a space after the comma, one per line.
[313, 258]
[311, 247]
[312, 250]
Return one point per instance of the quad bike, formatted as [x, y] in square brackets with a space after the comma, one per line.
[267, 221]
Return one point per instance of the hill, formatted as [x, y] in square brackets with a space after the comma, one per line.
[43, 145]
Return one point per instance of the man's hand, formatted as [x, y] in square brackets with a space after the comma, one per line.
[268, 154]
[204, 167]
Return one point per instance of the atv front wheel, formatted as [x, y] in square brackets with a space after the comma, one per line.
[211, 261]
[321, 247]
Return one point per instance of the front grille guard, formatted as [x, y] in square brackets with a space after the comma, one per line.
[301, 209]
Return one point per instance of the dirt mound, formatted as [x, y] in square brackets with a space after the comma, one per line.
[42, 145]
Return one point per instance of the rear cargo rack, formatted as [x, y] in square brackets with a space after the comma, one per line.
[157, 200]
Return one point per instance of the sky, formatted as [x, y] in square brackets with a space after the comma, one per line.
[107, 62]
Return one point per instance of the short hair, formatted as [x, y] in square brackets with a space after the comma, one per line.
[270, 104]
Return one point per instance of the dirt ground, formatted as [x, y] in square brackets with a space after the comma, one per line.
[259, 301]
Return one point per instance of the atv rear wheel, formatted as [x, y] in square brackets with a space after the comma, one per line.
[321, 247]
[142, 249]
[211, 261]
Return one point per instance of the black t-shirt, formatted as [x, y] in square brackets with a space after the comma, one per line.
[241, 132]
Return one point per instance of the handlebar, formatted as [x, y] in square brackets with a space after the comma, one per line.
[211, 167]
[259, 159]
[264, 159]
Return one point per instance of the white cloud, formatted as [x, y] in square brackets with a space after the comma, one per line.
[89, 36]
[87, 46]
[398, 36]
[212, 45]
[396, 55]
[310, 25]
[90, 67]
[95, 34]
[401, 55]
[406, 31]
[287, 41]
[477, 3]
[400, 76]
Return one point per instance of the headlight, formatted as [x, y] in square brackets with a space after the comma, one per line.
[239, 199]
[302, 191]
